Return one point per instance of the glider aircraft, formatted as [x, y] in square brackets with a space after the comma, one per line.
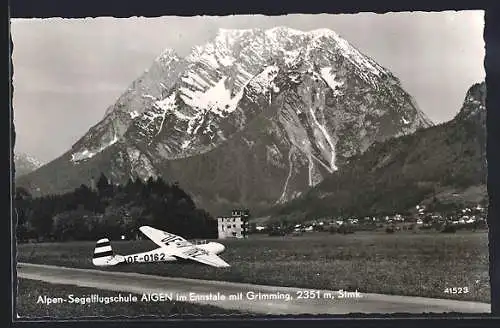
[172, 248]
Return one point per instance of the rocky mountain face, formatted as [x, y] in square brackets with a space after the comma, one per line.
[252, 118]
[445, 163]
[25, 164]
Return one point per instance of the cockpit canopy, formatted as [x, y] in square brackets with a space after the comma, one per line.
[199, 241]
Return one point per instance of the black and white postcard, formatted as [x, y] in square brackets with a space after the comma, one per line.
[250, 165]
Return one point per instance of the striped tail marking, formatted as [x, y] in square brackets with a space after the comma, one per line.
[103, 249]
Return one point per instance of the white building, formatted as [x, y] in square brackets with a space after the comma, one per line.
[231, 226]
[260, 228]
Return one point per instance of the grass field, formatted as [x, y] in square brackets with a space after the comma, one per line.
[421, 264]
[29, 308]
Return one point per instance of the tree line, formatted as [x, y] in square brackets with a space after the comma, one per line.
[111, 211]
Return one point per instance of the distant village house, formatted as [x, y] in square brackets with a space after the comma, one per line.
[234, 226]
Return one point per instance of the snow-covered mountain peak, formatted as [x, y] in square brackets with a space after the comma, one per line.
[294, 45]
[166, 55]
[25, 157]
[232, 34]
[283, 30]
[323, 32]
[211, 80]
[295, 105]
[25, 163]
[278, 31]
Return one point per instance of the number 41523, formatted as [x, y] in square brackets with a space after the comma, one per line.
[456, 290]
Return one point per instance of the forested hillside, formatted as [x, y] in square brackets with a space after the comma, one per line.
[112, 211]
[392, 177]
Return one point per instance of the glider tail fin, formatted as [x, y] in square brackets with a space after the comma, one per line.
[103, 253]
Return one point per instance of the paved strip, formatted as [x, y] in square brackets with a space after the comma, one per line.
[267, 299]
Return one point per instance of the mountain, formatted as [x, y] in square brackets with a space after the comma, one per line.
[25, 164]
[443, 164]
[251, 118]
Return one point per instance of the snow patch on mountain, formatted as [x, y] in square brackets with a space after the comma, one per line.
[283, 198]
[87, 154]
[265, 80]
[158, 111]
[150, 97]
[292, 56]
[328, 138]
[226, 60]
[310, 166]
[282, 30]
[316, 176]
[166, 56]
[169, 105]
[323, 32]
[25, 164]
[329, 77]
[205, 55]
[294, 77]
[217, 98]
[185, 144]
[29, 159]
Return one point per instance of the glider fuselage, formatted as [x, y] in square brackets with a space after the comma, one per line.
[161, 255]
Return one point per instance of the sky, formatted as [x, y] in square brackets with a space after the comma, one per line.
[67, 72]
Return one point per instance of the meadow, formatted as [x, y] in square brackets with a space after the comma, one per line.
[403, 263]
[30, 290]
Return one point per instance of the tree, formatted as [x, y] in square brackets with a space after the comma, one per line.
[74, 225]
[88, 214]
[104, 188]
[22, 200]
[85, 196]
[41, 219]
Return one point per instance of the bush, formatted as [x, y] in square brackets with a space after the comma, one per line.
[345, 229]
[412, 227]
[277, 232]
[480, 225]
[389, 230]
[449, 229]
[318, 228]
